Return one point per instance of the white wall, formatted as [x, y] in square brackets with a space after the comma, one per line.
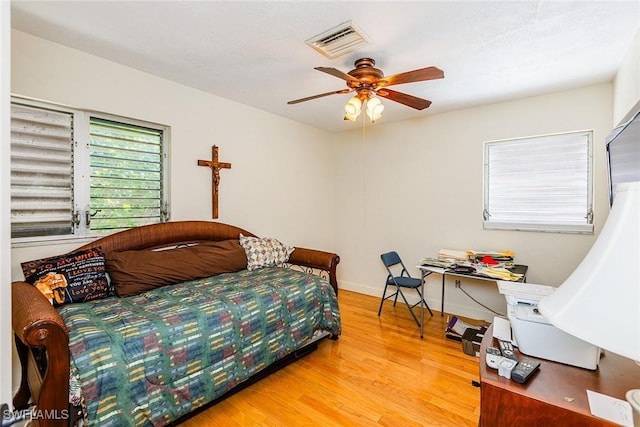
[626, 84]
[416, 187]
[281, 182]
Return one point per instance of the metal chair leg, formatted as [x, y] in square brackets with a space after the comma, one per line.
[425, 303]
[409, 308]
[382, 300]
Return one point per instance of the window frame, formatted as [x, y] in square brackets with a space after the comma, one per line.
[531, 225]
[81, 166]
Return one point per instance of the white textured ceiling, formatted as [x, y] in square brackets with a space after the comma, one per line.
[254, 52]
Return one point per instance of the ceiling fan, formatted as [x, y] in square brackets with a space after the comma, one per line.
[367, 81]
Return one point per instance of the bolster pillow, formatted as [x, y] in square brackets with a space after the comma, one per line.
[137, 271]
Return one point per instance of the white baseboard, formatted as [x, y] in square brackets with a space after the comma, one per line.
[359, 288]
[435, 304]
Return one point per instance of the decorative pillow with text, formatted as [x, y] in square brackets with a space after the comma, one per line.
[74, 277]
[265, 252]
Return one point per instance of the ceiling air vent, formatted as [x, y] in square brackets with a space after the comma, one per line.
[339, 40]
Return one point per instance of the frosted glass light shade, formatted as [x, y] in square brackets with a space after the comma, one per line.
[352, 108]
[375, 107]
[600, 301]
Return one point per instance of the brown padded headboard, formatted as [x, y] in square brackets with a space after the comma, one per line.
[167, 233]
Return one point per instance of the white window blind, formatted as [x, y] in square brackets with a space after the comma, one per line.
[126, 175]
[539, 183]
[41, 172]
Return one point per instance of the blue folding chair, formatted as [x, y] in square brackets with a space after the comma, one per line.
[394, 264]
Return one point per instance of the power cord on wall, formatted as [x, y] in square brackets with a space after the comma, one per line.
[459, 286]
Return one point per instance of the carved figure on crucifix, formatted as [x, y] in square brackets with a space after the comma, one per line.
[216, 177]
[215, 166]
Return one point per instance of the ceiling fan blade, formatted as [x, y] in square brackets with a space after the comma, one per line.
[420, 75]
[337, 73]
[403, 98]
[309, 98]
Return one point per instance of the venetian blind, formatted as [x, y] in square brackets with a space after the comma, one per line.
[41, 172]
[539, 183]
[126, 175]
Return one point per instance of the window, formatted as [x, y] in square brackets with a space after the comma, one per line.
[541, 183]
[41, 171]
[79, 173]
[126, 175]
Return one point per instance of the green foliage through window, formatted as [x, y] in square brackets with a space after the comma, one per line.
[126, 175]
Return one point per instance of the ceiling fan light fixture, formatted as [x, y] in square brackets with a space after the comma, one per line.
[375, 107]
[353, 107]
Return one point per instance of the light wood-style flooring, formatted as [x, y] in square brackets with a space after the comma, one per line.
[378, 373]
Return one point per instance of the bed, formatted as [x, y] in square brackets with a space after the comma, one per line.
[159, 355]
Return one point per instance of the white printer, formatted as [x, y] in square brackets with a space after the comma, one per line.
[535, 336]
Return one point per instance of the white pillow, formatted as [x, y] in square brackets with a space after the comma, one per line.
[265, 252]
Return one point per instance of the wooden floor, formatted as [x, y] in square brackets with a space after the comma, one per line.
[378, 373]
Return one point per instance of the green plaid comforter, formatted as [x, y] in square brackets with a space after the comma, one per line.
[153, 357]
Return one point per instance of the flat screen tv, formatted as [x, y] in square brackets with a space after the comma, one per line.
[623, 151]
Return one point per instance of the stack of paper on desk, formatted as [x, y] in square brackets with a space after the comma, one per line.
[499, 273]
[453, 255]
[434, 262]
[501, 256]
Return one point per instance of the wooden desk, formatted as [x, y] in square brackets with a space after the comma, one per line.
[545, 400]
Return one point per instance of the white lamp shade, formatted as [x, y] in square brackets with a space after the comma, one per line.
[375, 107]
[352, 108]
[600, 301]
[351, 117]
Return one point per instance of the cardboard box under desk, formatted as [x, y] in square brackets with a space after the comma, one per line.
[471, 340]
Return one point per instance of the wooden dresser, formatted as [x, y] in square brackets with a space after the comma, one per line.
[556, 394]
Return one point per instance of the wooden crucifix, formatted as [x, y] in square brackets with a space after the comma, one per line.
[215, 166]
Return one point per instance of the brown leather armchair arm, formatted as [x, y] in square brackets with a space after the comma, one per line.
[42, 342]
